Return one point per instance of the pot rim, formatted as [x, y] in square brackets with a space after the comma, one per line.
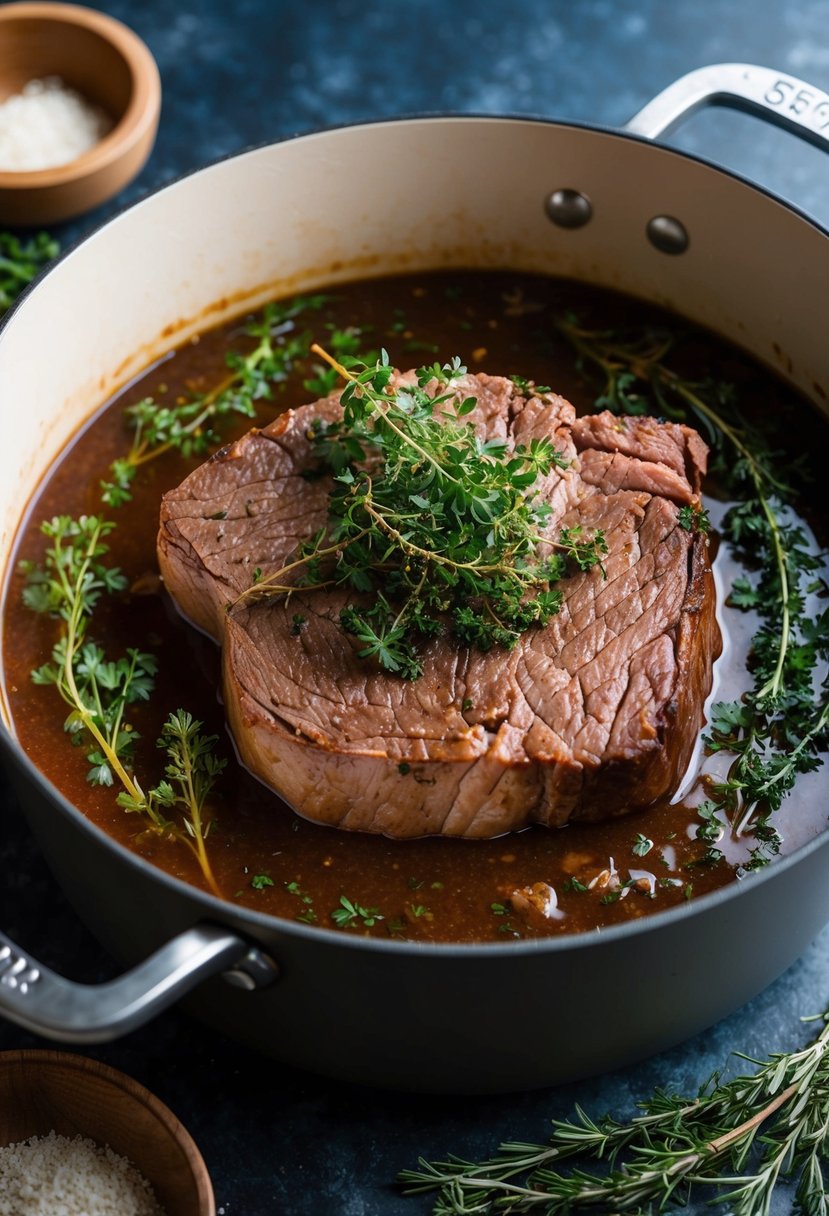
[436, 116]
[223, 910]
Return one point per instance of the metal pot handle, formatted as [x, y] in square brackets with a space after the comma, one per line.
[45, 1003]
[778, 98]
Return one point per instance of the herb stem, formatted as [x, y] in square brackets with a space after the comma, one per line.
[194, 801]
[728, 1138]
[444, 527]
[430, 555]
[331, 361]
[143, 451]
[646, 369]
[773, 685]
[68, 585]
[74, 631]
[186, 426]
[759, 476]
[269, 585]
[791, 762]
[382, 406]
[778, 727]
[659, 1160]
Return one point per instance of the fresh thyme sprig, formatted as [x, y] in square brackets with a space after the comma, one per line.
[346, 346]
[731, 1144]
[190, 774]
[439, 525]
[779, 728]
[98, 690]
[20, 261]
[189, 426]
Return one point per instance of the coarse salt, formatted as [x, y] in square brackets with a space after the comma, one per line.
[48, 124]
[57, 1176]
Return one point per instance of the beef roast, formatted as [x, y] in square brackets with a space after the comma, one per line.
[592, 716]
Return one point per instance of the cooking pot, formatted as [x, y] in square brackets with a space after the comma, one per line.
[607, 207]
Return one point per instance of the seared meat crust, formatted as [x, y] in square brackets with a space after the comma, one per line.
[595, 715]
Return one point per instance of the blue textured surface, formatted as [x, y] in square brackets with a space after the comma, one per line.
[241, 73]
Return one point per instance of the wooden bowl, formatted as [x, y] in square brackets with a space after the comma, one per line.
[110, 66]
[43, 1091]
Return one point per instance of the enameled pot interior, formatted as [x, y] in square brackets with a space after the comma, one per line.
[408, 195]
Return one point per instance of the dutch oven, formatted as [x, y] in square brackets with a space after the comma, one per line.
[608, 207]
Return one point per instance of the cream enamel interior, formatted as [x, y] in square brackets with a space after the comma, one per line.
[370, 200]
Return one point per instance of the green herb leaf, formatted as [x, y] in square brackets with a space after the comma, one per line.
[349, 913]
[20, 261]
[435, 526]
[781, 726]
[727, 1145]
[189, 426]
[98, 690]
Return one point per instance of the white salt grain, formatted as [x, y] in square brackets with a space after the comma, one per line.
[55, 1176]
[48, 124]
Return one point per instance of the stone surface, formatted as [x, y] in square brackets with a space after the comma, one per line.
[278, 1141]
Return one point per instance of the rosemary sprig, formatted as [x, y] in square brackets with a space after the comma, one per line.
[189, 426]
[731, 1144]
[98, 690]
[779, 728]
[438, 525]
[20, 261]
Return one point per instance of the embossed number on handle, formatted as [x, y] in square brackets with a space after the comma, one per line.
[800, 100]
[779, 98]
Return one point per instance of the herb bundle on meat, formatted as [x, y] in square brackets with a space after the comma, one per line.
[441, 525]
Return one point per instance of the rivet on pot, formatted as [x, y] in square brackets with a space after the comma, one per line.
[256, 970]
[569, 208]
[667, 234]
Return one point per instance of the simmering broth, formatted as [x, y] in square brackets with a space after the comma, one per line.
[262, 854]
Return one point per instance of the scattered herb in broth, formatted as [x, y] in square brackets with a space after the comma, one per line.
[778, 728]
[262, 855]
[187, 424]
[99, 690]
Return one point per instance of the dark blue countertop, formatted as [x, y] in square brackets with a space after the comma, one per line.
[277, 1140]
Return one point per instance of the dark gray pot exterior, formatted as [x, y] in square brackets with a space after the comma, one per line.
[442, 1018]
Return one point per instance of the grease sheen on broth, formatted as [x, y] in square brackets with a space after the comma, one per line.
[431, 889]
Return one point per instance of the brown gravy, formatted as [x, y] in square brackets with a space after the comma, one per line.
[266, 857]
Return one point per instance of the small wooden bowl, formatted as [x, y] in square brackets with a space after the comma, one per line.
[43, 1091]
[110, 66]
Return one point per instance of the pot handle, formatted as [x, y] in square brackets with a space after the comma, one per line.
[45, 1003]
[778, 98]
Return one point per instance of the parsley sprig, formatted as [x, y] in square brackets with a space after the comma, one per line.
[437, 526]
[20, 261]
[779, 727]
[731, 1145]
[348, 913]
[99, 690]
[190, 426]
